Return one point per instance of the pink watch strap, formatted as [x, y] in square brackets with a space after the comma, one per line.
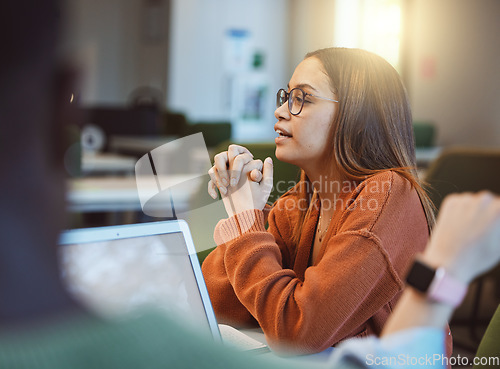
[446, 289]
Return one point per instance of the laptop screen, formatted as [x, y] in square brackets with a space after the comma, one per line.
[119, 276]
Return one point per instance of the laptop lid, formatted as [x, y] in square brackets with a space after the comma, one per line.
[119, 269]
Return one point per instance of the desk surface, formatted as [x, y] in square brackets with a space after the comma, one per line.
[138, 144]
[119, 193]
[107, 163]
[320, 357]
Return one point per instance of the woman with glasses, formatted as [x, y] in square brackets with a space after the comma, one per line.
[331, 263]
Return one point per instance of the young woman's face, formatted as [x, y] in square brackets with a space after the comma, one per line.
[302, 139]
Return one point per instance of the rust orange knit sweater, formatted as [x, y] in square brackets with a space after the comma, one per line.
[259, 277]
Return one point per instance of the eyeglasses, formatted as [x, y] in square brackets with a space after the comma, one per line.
[295, 98]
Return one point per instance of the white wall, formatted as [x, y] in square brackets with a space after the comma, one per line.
[199, 83]
[311, 27]
[97, 30]
[114, 54]
[454, 66]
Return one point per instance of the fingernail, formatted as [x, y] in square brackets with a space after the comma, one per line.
[224, 181]
[223, 189]
[213, 194]
[269, 161]
[234, 182]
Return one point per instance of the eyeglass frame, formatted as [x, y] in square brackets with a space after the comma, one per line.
[304, 94]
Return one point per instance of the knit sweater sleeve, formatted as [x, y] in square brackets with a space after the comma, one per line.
[353, 279]
[226, 304]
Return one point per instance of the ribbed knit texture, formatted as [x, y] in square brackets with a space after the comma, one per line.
[260, 277]
[241, 223]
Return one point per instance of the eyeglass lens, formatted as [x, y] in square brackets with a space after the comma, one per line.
[295, 100]
[281, 97]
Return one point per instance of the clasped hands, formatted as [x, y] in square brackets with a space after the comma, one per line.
[244, 183]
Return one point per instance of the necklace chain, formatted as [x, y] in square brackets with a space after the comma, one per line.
[321, 234]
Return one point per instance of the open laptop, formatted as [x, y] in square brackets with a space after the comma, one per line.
[121, 269]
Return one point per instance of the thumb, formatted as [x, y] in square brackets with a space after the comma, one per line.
[267, 176]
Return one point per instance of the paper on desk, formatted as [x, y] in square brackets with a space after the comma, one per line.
[239, 340]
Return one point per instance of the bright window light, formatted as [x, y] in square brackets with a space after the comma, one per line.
[370, 25]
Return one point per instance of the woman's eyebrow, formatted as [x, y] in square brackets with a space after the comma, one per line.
[303, 86]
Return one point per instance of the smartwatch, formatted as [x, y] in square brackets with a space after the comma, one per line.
[437, 284]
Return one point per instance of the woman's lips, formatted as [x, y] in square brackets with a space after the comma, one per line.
[282, 136]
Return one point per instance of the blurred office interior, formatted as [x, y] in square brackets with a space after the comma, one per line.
[156, 70]
[446, 51]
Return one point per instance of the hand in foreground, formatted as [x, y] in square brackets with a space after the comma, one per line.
[244, 183]
[466, 242]
[466, 238]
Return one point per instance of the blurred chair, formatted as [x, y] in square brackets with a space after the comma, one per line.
[425, 133]
[213, 132]
[467, 170]
[464, 169]
[204, 215]
[488, 348]
[174, 124]
[146, 96]
[122, 121]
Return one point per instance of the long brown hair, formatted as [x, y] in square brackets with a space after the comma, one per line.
[372, 130]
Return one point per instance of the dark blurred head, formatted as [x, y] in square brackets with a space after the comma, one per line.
[33, 107]
[30, 77]
[29, 29]
[35, 87]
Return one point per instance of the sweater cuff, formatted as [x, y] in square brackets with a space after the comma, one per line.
[245, 222]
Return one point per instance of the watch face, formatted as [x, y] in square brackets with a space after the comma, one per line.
[420, 276]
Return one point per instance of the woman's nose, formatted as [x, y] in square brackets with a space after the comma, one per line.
[282, 112]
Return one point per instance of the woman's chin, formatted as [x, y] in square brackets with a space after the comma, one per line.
[285, 156]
